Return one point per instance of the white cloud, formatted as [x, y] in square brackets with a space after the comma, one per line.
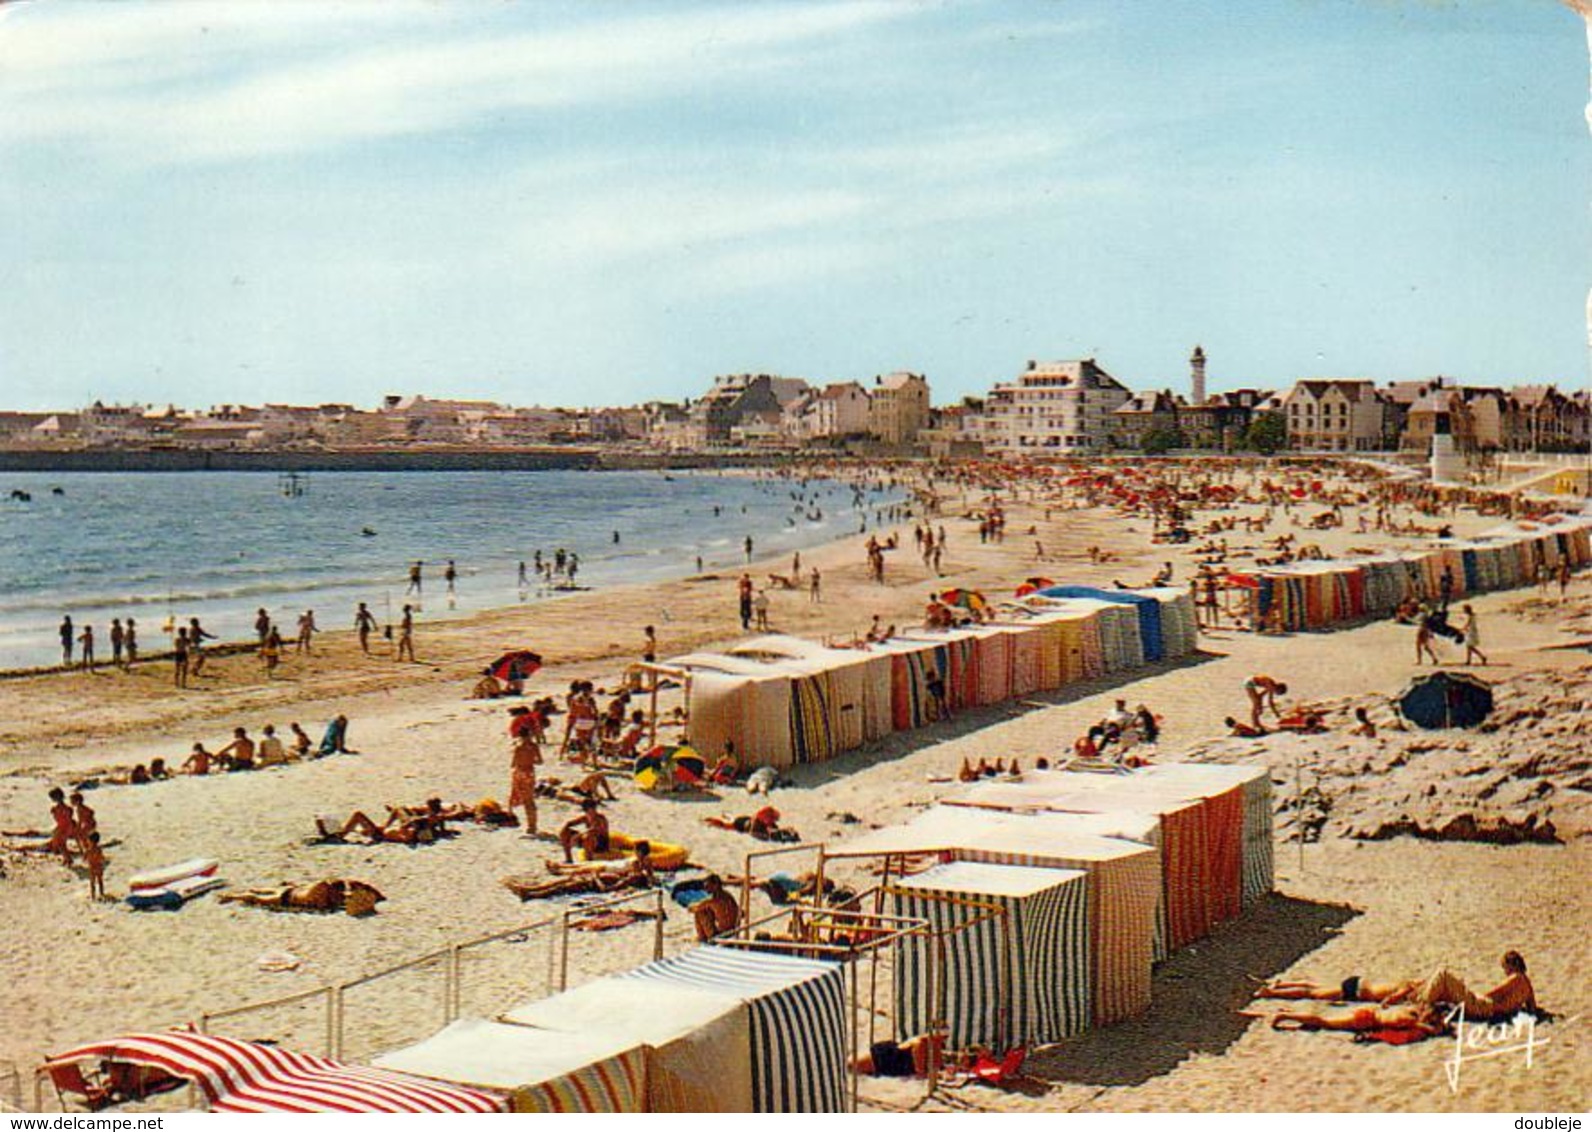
[161, 108]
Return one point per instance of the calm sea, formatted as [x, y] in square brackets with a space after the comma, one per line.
[220, 545]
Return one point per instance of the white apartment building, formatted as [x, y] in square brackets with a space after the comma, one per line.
[1051, 409]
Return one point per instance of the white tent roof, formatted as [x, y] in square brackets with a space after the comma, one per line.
[960, 827]
[474, 1051]
[646, 1013]
[1205, 778]
[974, 878]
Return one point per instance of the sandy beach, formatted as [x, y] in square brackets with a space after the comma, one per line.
[1398, 905]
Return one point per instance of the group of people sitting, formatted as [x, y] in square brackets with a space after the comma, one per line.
[1118, 733]
[245, 753]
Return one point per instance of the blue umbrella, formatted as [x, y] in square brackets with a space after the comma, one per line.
[1446, 699]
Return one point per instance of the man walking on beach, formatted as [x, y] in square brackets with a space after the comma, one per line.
[748, 548]
[364, 622]
[406, 634]
[448, 577]
[130, 642]
[814, 587]
[306, 630]
[87, 641]
[68, 636]
[117, 640]
[745, 587]
[415, 576]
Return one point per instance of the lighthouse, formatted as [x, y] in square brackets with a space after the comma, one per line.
[1197, 376]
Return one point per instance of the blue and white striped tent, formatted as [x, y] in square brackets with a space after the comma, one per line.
[797, 1014]
[1018, 977]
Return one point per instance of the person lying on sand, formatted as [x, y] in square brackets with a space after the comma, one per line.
[399, 828]
[1244, 730]
[1304, 721]
[593, 788]
[352, 896]
[1353, 989]
[1359, 1019]
[763, 825]
[1363, 727]
[634, 872]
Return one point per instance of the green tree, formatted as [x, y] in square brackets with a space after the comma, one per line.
[1159, 441]
[1267, 433]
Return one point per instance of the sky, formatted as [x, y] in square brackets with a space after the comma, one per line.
[605, 203]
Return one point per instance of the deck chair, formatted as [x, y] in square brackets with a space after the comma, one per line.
[992, 1072]
[92, 1092]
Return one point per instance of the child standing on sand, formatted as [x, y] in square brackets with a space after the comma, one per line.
[94, 858]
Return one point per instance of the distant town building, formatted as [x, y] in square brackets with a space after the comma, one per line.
[840, 409]
[898, 408]
[1336, 415]
[1143, 414]
[1221, 420]
[1053, 408]
[955, 432]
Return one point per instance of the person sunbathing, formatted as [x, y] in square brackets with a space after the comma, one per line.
[763, 825]
[1244, 730]
[401, 829]
[1303, 721]
[321, 896]
[635, 872]
[1360, 1019]
[1353, 989]
[593, 788]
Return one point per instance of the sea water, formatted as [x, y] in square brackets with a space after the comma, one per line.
[164, 547]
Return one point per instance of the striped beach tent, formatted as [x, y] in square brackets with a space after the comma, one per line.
[1105, 806]
[698, 1043]
[1028, 665]
[237, 1076]
[739, 700]
[797, 1020]
[1017, 978]
[540, 1070]
[1258, 839]
[1124, 884]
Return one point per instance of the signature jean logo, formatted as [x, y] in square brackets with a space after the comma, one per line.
[1475, 1041]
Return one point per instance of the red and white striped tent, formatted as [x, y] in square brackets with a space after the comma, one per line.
[239, 1076]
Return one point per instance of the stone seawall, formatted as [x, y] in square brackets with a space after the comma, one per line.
[360, 460]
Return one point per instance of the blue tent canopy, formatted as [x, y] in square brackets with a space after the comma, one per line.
[1149, 610]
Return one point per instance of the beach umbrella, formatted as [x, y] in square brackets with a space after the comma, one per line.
[518, 665]
[687, 767]
[1446, 699]
[970, 600]
[1033, 585]
[648, 770]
